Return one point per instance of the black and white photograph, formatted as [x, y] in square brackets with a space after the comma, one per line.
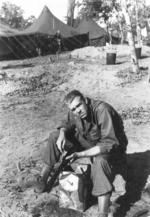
[74, 108]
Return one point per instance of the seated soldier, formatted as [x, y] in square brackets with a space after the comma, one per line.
[97, 131]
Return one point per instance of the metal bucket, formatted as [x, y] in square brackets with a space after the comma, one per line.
[148, 44]
[138, 52]
[111, 58]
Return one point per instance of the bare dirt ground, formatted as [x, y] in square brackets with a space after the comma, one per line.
[31, 105]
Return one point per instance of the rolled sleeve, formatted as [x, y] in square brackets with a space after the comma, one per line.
[108, 139]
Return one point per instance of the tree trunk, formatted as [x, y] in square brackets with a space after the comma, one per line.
[70, 12]
[120, 25]
[134, 60]
[110, 37]
[121, 28]
[121, 32]
[138, 28]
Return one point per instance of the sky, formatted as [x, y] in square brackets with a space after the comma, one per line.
[35, 7]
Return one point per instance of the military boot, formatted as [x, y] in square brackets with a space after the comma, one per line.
[39, 185]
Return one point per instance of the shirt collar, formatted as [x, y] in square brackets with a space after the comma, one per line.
[90, 111]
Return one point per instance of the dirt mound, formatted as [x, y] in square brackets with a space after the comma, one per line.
[89, 52]
[34, 79]
[100, 52]
[31, 107]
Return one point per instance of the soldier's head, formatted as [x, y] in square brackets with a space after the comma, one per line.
[77, 103]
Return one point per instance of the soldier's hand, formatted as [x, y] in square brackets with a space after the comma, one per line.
[75, 155]
[61, 142]
[72, 156]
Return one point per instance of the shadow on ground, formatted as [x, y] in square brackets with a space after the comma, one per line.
[19, 66]
[144, 57]
[138, 170]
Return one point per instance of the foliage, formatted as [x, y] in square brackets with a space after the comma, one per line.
[143, 13]
[115, 29]
[12, 15]
[29, 21]
[99, 10]
[105, 9]
[96, 9]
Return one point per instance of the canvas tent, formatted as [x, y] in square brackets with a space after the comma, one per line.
[97, 35]
[47, 24]
[6, 31]
[23, 44]
[11, 43]
[6, 44]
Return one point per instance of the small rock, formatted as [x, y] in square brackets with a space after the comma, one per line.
[71, 63]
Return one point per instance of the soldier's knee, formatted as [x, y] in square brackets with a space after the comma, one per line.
[100, 159]
[53, 136]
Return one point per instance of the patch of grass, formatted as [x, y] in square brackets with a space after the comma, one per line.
[129, 76]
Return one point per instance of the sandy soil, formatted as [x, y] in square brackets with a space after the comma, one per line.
[31, 105]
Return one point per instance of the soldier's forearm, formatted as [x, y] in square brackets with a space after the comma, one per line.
[90, 152]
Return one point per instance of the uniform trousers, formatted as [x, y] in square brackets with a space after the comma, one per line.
[104, 166]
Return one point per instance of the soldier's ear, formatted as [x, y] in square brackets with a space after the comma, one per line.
[86, 101]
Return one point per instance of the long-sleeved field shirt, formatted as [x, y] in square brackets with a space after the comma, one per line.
[103, 128]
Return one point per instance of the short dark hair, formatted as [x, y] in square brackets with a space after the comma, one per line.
[71, 95]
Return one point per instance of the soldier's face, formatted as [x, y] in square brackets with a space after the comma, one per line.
[79, 107]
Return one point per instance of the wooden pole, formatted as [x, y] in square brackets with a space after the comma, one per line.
[134, 60]
[70, 12]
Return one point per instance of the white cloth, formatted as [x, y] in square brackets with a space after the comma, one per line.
[144, 32]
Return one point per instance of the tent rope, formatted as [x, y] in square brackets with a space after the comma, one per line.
[9, 47]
